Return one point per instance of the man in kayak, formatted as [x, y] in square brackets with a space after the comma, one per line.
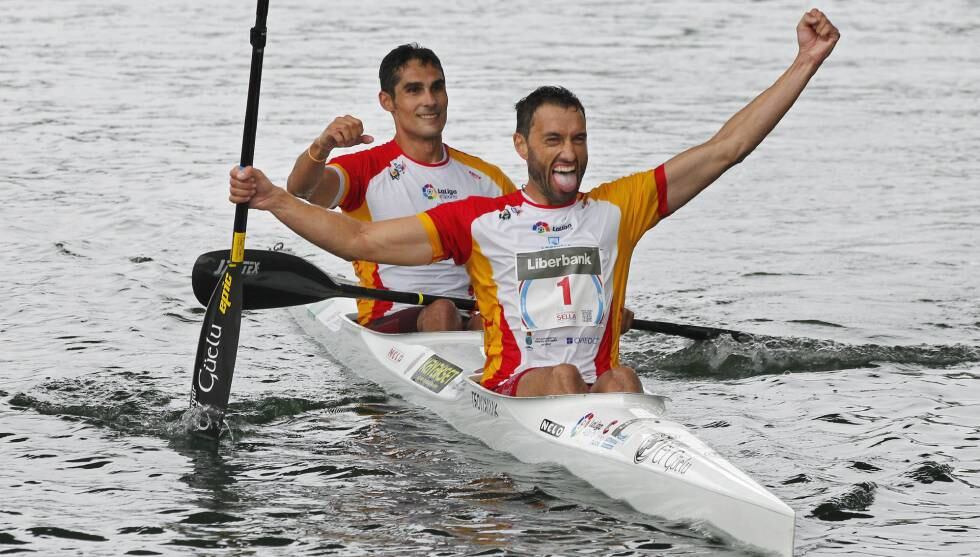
[413, 172]
[549, 264]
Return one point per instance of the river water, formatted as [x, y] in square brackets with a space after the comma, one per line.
[848, 241]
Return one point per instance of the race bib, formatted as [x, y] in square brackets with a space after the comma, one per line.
[560, 287]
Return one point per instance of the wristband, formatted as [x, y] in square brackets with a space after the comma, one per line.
[312, 158]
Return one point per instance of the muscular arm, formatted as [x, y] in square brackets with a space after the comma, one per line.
[402, 241]
[309, 179]
[692, 171]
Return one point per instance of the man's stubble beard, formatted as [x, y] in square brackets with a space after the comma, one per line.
[543, 179]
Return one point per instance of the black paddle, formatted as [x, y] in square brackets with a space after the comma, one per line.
[274, 279]
[214, 363]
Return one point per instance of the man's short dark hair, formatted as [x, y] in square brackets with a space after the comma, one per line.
[548, 94]
[398, 58]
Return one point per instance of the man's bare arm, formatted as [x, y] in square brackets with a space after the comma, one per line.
[402, 241]
[309, 179]
[692, 171]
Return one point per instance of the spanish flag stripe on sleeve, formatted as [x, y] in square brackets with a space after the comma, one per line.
[453, 222]
[639, 197]
[660, 176]
[359, 168]
[344, 183]
[438, 254]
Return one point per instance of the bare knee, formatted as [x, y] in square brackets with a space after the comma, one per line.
[440, 315]
[619, 379]
[568, 379]
[475, 323]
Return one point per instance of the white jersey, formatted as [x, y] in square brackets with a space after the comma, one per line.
[550, 281]
[383, 183]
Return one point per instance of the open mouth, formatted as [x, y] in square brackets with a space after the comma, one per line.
[432, 116]
[564, 177]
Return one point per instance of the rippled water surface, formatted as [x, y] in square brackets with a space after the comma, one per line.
[848, 243]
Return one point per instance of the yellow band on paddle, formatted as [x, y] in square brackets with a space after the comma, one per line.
[420, 298]
[238, 248]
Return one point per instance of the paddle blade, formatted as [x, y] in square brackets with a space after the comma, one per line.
[214, 364]
[271, 279]
[694, 332]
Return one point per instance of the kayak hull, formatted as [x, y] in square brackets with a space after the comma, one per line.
[621, 443]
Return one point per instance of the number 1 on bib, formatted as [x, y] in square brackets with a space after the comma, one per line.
[577, 299]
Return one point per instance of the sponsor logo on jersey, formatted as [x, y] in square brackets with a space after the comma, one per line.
[551, 428]
[396, 170]
[559, 262]
[475, 175]
[582, 340]
[503, 215]
[436, 373]
[545, 342]
[563, 316]
[443, 194]
[541, 227]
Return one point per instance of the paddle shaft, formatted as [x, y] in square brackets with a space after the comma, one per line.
[695, 332]
[274, 279]
[415, 298]
[214, 364]
[257, 39]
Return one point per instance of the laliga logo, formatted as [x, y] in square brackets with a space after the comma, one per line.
[429, 192]
[541, 227]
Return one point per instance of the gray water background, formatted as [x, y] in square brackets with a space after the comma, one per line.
[850, 238]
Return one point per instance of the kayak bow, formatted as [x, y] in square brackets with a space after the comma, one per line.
[618, 442]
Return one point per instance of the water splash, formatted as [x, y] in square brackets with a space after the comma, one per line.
[844, 507]
[761, 355]
[128, 402]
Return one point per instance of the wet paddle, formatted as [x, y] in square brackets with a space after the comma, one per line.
[217, 347]
[273, 279]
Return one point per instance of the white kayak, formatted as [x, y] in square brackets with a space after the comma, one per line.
[620, 443]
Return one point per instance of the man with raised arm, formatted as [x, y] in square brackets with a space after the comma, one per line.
[412, 173]
[549, 264]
